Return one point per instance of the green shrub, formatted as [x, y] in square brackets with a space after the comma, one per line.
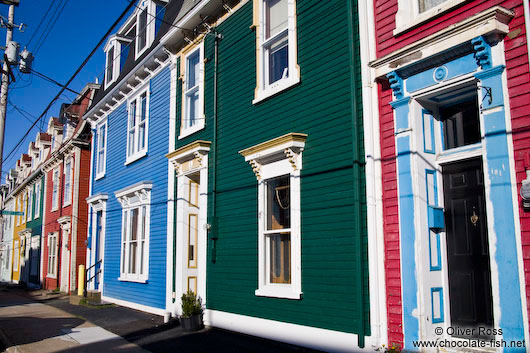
[191, 304]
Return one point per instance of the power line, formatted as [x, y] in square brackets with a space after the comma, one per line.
[49, 79]
[73, 76]
[40, 23]
[49, 28]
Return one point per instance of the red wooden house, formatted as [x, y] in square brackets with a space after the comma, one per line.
[451, 149]
[67, 171]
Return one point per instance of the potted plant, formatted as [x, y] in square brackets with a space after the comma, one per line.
[191, 318]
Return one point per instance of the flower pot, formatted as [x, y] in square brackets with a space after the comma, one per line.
[192, 323]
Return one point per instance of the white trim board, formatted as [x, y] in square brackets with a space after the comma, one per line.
[131, 305]
[306, 336]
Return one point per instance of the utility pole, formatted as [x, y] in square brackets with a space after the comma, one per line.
[5, 85]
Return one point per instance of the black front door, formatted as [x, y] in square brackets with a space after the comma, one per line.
[467, 245]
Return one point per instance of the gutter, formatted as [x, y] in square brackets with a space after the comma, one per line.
[356, 167]
[213, 231]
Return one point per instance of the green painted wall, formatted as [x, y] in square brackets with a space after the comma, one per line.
[334, 281]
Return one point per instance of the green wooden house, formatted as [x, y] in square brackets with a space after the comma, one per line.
[268, 222]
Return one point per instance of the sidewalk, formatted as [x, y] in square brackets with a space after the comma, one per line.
[39, 321]
[28, 326]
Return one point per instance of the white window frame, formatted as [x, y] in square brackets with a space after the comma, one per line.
[52, 245]
[137, 153]
[409, 16]
[101, 162]
[55, 189]
[271, 159]
[149, 27]
[30, 203]
[68, 178]
[113, 45]
[263, 89]
[186, 130]
[134, 197]
[25, 207]
[38, 187]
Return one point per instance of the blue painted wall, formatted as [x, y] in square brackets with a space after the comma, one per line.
[152, 167]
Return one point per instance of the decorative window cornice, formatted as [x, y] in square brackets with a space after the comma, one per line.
[189, 157]
[139, 193]
[289, 146]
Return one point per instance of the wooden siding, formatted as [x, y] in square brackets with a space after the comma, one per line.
[152, 167]
[320, 106]
[519, 99]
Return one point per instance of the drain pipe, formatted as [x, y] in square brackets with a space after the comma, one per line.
[356, 166]
[213, 229]
[526, 7]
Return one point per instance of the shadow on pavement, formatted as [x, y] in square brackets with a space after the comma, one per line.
[28, 329]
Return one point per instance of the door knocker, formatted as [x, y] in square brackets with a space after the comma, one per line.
[474, 218]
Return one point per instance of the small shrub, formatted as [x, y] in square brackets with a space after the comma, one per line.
[191, 304]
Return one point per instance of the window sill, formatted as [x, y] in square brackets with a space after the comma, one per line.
[278, 291]
[54, 209]
[407, 25]
[51, 276]
[66, 204]
[135, 157]
[99, 176]
[263, 94]
[191, 130]
[136, 280]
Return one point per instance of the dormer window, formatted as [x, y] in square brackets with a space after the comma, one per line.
[148, 20]
[110, 66]
[116, 50]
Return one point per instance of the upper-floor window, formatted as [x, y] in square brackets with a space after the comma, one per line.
[101, 139]
[137, 127]
[67, 197]
[425, 5]
[30, 203]
[25, 208]
[37, 199]
[277, 57]
[116, 52]
[193, 92]
[109, 75]
[411, 13]
[55, 190]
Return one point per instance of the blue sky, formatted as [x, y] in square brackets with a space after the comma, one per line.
[75, 33]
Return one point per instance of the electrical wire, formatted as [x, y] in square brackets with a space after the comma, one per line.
[71, 78]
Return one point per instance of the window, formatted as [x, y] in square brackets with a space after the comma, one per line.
[137, 127]
[25, 208]
[52, 255]
[461, 124]
[134, 260]
[37, 199]
[30, 203]
[144, 27]
[411, 13]
[55, 190]
[67, 197]
[277, 164]
[193, 93]
[109, 74]
[425, 5]
[278, 229]
[277, 58]
[101, 150]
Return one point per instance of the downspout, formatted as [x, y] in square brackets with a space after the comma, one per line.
[526, 7]
[213, 219]
[174, 281]
[357, 162]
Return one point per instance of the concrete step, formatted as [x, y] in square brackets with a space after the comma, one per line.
[94, 296]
